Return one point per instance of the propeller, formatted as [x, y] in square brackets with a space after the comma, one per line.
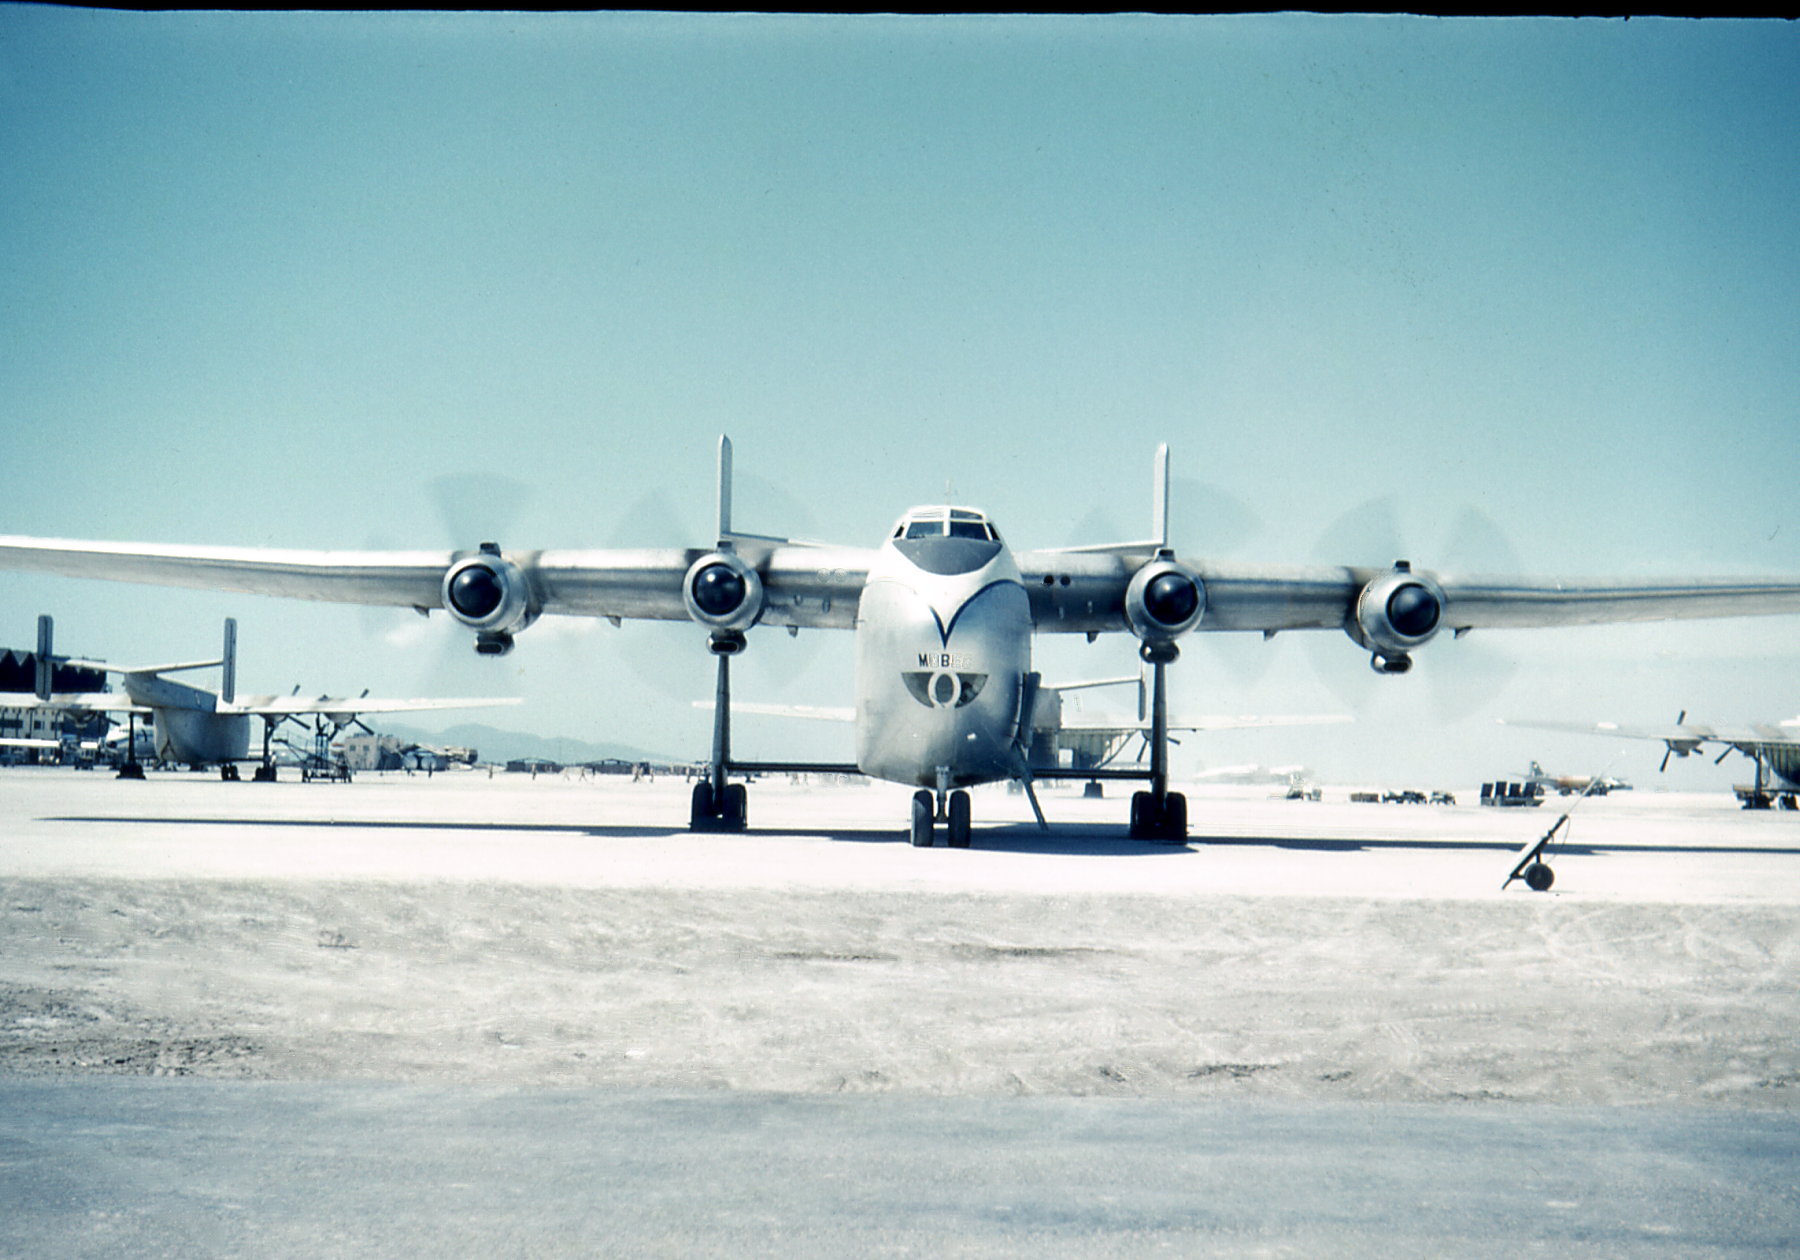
[434, 654]
[669, 659]
[1669, 749]
[1206, 522]
[1461, 677]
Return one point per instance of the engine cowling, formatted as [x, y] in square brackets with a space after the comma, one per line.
[489, 594]
[1397, 613]
[723, 593]
[1164, 601]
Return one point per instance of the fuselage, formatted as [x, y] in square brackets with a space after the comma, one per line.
[1784, 761]
[943, 645]
[189, 728]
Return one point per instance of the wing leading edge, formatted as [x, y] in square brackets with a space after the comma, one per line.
[805, 586]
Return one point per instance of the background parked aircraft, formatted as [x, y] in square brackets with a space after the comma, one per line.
[1572, 784]
[1774, 748]
[200, 728]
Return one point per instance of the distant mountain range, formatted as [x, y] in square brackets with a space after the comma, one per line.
[493, 744]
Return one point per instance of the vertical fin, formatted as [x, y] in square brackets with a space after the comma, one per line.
[724, 488]
[1159, 498]
[228, 684]
[43, 656]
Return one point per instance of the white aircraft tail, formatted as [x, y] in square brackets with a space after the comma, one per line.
[1159, 518]
[728, 536]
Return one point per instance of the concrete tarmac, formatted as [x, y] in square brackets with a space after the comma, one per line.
[465, 1016]
[206, 1168]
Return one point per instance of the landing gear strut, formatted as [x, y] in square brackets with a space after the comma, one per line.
[129, 768]
[1159, 814]
[265, 773]
[718, 805]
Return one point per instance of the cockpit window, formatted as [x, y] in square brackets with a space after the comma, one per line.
[945, 523]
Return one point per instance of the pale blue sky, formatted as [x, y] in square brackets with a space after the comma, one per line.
[269, 279]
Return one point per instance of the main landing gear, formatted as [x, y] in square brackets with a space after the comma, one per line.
[130, 768]
[926, 816]
[1163, 818]
[713, 811]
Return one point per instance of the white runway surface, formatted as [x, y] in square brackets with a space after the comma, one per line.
[475, 935]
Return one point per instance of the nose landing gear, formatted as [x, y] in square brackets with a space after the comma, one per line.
[926, 815]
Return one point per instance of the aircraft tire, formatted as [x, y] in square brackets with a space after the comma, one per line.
[957, 833]
[1539, 877]
[923, 820]
[734, 810]
[700, 815]
[1174, 819]
[1140, 816]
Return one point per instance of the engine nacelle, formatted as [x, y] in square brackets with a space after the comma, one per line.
[723, 593]
[490, 595]
[1164, 601]
[1395, 614]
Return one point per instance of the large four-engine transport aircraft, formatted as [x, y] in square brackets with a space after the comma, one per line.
[199, 728]
[944, 614]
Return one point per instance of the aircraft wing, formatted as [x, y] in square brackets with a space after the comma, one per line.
[811, 586]
[1272, 598]
[1682, 737]
[1214, 723]
[804, 585]
[77, 701]
[287, 706]
[809, 712]
[15, 742]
